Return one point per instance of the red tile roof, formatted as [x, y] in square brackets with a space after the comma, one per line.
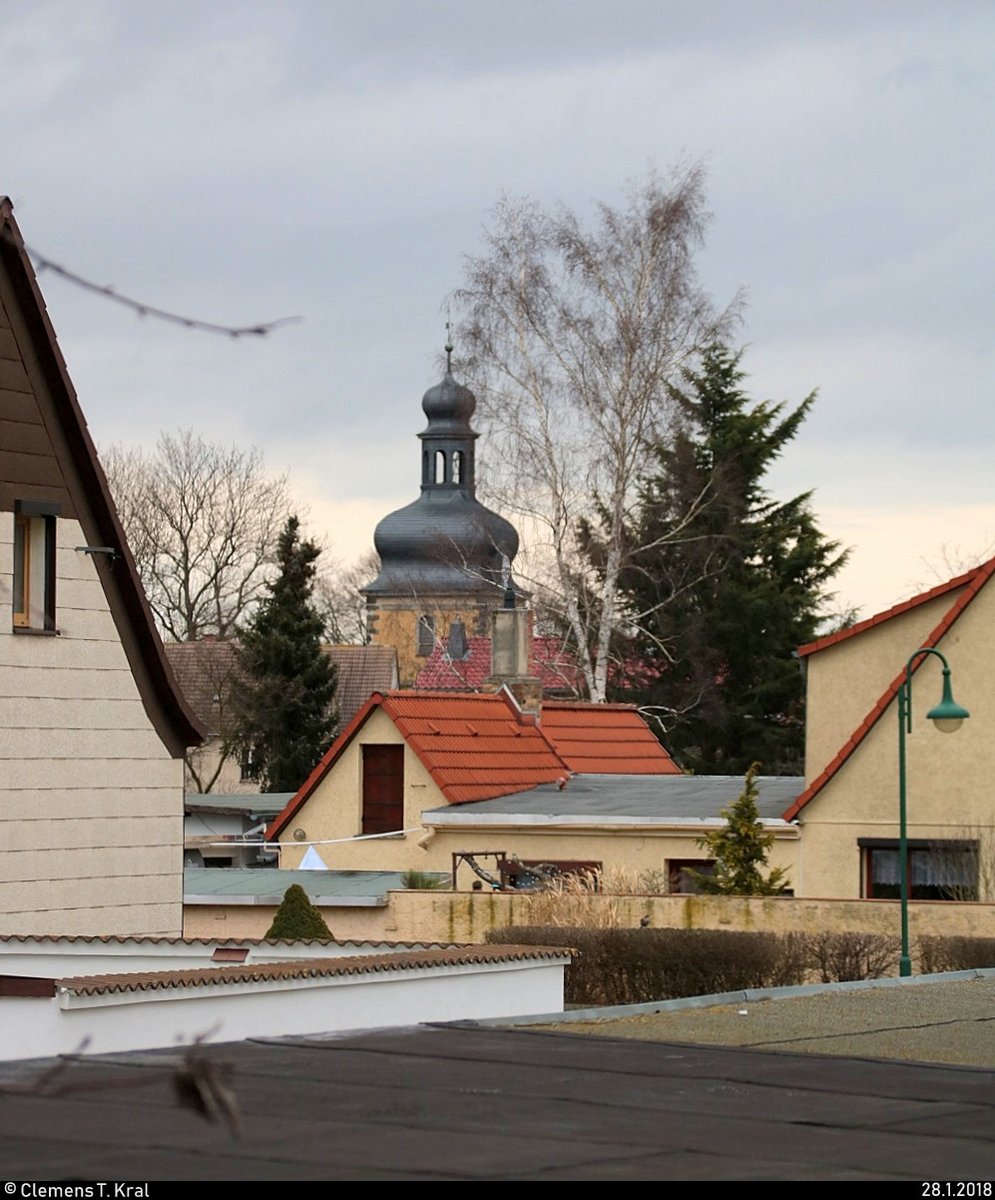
[972, 582]
[604, 739]
[475, 746]
[479, 745]
[556, 667]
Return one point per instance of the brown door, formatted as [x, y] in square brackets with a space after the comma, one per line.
[383, 789]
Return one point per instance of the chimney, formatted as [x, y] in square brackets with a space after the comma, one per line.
[511, 645]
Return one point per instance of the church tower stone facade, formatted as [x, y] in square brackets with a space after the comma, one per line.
[445, 557]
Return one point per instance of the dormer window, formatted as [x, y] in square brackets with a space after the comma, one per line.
[426, 636]
[34, 566]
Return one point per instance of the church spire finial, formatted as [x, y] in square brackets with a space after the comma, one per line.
[449, 344]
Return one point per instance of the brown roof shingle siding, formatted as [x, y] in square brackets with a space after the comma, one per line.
[362, 670]
[23, 437]
[20, 407]
[13, 377]
[35, 389]
[604, 739]
[204, 671]
[478, 745]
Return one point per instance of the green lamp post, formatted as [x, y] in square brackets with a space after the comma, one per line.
[947, 716]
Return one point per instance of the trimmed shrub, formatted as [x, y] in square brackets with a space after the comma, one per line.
[633, 966]
[955, 953]
[298, 918]
[839, 957]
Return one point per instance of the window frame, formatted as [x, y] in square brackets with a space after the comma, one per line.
[678, 881]
[870, 888]
[34, 567]
[382, 789]
[425, 636]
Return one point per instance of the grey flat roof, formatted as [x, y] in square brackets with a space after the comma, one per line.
[266, 885]
[632, 798]
[265, 804]
[482, 1105]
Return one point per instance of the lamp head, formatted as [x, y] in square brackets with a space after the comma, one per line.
[947, 716]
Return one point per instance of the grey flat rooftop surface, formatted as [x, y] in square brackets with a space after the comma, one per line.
[480, 1103]
[267, 884]
[261, 803]
[945, 1022]
[647, 797]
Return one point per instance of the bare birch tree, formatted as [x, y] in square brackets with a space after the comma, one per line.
[574, 337]
[340, 601]
[202, 521]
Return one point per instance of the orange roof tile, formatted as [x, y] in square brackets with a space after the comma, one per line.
[972, 583]
[604, 739]
[474, 745]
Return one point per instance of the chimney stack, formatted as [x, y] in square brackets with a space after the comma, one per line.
[511, 645]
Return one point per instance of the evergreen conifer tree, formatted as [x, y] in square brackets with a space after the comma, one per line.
[297, 917]
[287, 686]
[735, 582]
[740, 850]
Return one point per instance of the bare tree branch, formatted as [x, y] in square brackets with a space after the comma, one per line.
[202, 520]
[259, 329]
[575, 337]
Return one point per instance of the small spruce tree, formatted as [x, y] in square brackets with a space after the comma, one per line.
[740, 850]
[298, 918]
[285, 698]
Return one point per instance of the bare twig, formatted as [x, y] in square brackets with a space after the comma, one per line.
[258, 329]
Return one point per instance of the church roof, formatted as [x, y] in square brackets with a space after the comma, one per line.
[555, 666]
[446, 542]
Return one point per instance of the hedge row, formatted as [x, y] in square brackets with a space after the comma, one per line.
[633, 966]
[628, 966]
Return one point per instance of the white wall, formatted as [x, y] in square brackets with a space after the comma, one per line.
[42, 1027]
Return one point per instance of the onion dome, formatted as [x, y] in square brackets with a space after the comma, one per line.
[446, 542]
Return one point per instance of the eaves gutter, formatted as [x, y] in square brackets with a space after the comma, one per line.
[679, 826]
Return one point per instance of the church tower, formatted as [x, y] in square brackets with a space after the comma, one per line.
[445, 556]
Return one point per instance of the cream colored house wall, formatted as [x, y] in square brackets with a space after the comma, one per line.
[334, 810]
[620, 849]
[91, 803]
[845, 680]
[949, 775]
[228, 781]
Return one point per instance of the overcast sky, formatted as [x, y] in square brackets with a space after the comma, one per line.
[336, 160]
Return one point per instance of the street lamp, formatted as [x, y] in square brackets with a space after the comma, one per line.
[947, 716]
